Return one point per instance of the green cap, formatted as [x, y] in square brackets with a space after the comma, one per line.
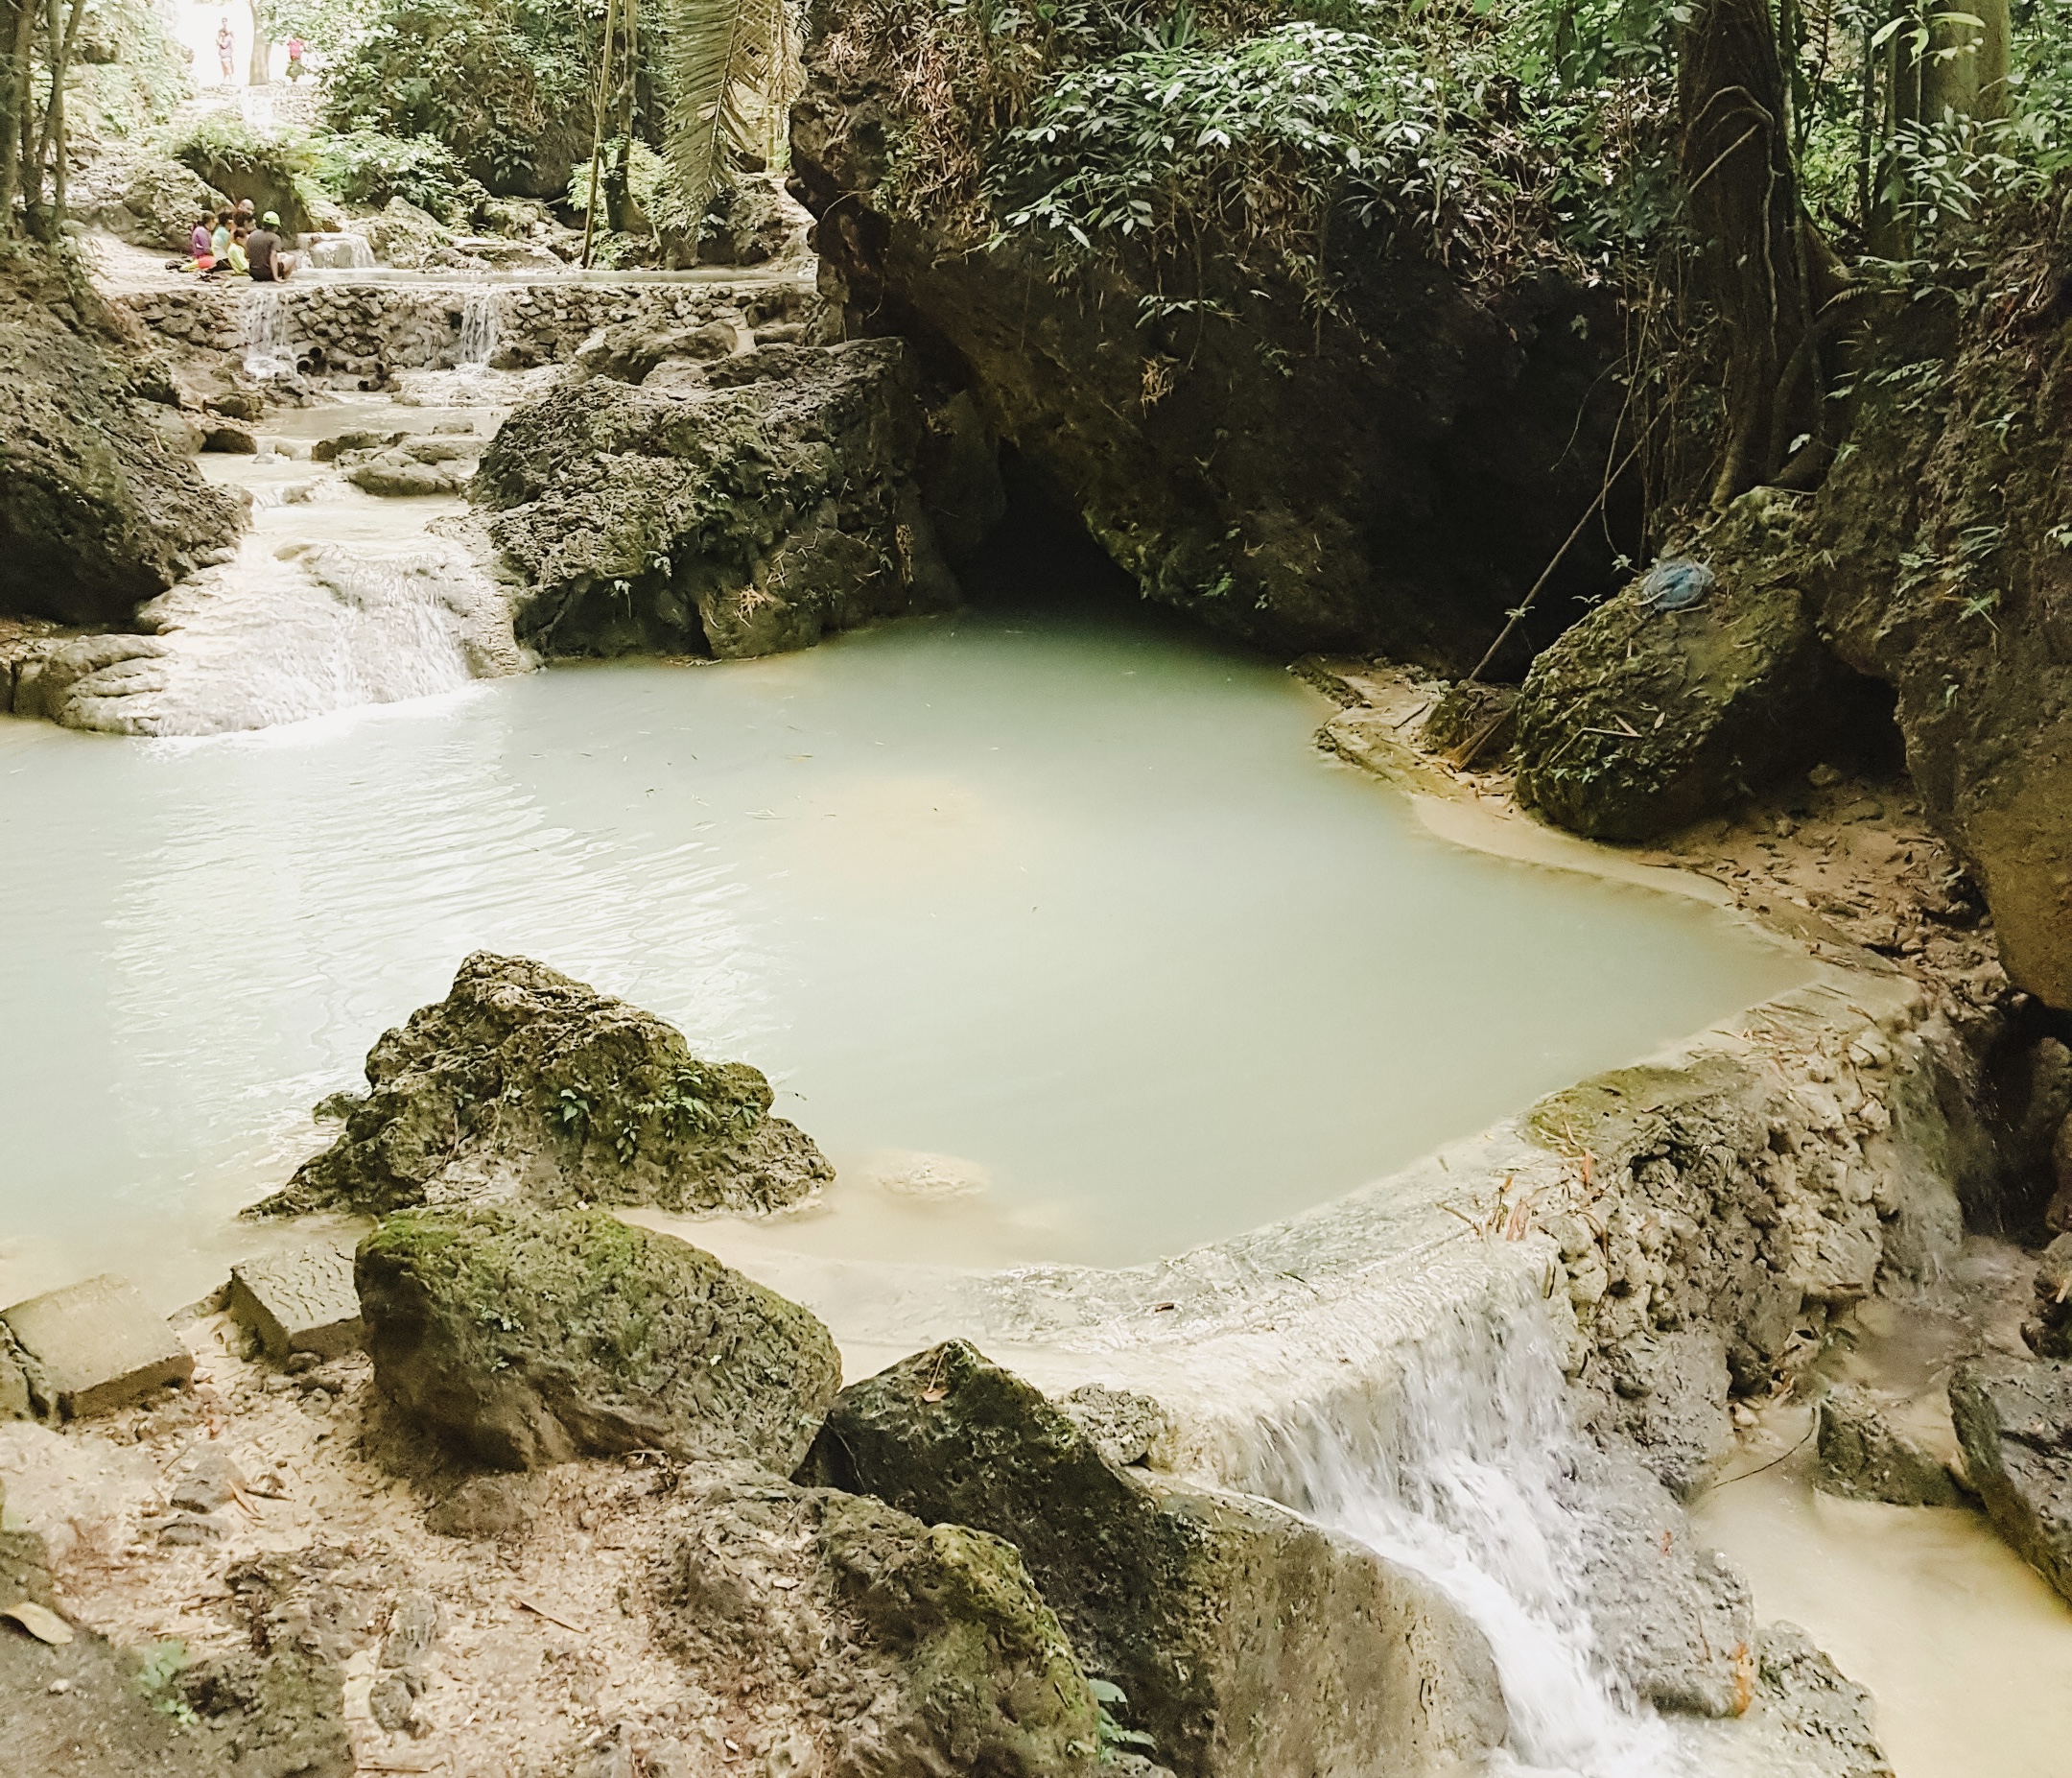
[272, 219]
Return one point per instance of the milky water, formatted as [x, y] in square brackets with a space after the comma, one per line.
[1064, 905]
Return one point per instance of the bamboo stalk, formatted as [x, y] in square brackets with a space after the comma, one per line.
[597, 136]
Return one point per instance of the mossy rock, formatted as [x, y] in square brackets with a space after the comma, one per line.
[903, 1648]
[1639, 720]
[525, 1083]
[526, 1338]
[1245, 1641]
[746, 508]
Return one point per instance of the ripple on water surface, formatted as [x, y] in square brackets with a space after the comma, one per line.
[1058, 935]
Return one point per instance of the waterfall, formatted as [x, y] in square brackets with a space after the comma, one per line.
[338, 253]
[482, 326]
[1467, 1474]
[267, 346]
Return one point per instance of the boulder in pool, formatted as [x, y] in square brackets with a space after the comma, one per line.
[2015, 1423]
[875, 1643]
[738, 508]
[523, 1083]
[1242, 1638]
[525, 1338]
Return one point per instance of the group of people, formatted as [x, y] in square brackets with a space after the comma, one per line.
[235, 241]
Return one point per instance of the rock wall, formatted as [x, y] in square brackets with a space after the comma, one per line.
[360, 329]
[1389, 476]
[97, 512]
[1935, 558]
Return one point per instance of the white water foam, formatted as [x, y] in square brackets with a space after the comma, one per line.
[267, 346]
[1463, 1474]
[338, 253]
[482, 326]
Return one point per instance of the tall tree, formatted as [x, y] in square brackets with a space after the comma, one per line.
[1774, 284]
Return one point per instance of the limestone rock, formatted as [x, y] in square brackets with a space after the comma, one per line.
[1863, 1456]
[98, 512]
[923, 1649]
[2050, 1334]
[299, 1301]
[753, 509]
[14, 1402]
[1828, 1716]
[1387, 476]
[45, 679]
[1673, 1617]
[1640, 720]
[480, 1506]
[1671, 1394]
[2015, 1423]
[396, 474]
[526, 1338]
[339, 443]
[94, 1346]
[1125, 1427]
[231, 439]
[522, 1083]
[1245, 1641]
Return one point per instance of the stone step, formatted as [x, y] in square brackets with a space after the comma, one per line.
[299, 1301]
[94, 1346]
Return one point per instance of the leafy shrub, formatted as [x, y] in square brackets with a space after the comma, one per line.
[276, 173]
[367, 167]
[489, 79]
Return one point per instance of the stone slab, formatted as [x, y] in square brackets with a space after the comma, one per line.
[299, 1301]
[94, 1346]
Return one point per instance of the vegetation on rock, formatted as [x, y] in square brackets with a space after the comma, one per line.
[525, 1338]
[524, 1082]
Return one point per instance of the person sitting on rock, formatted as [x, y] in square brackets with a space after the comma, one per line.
[245, 216]
[240, 260]
[220, 237]
[263, 255]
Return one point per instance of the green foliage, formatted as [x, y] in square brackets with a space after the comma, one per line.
[1475, 136]
[135, 77]
[162, 1666]
[1111, 1737]
[489, 79]
[369, 168]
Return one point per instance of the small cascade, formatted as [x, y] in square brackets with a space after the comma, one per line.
[481, 327]
[338, 253]
[267, 346]
[1466, 1474]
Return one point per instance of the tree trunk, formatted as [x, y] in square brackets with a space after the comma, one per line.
[17, 28]
[261, 71]
[1761, 259]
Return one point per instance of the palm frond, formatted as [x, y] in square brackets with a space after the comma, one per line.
[728, 62]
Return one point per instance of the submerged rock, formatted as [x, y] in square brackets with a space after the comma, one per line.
[526, 1338]
[525, 1083]
[910, 1649]
[98, 511]
[741, 509]
[1642, 719]
[1245, 1641]
[2015, 1423]
[1863, 1456]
